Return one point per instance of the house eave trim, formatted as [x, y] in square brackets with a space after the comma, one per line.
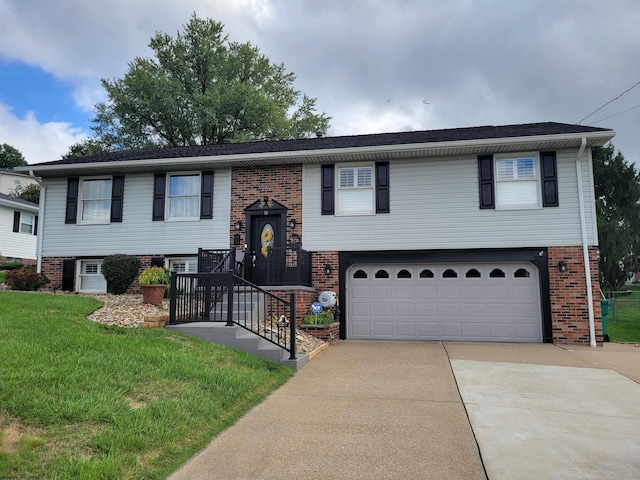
[326, 155]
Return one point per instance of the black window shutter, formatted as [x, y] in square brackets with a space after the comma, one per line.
[157, 261]
[68, 275]
[35, 225]
[382, 187]
[485, 181]
[159, 183]
[206, 196]
[549, 179]
[72, 200]
[117, 198]
[328, 195]
[16, 221]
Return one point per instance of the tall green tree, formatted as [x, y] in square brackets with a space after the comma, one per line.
[30, 193]
[617, 186]
[89, 146]
[200, 89]
[10, 157]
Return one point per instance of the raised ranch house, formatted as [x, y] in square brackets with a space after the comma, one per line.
[18, 229]
[478, 234]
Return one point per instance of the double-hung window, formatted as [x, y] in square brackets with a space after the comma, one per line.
[517, 182]
[95, 200]
[184, 196]
[26, 223]
[355, 192]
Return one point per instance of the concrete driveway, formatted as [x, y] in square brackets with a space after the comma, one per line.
[376, 410]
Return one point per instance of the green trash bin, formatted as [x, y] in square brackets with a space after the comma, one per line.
[605, 309]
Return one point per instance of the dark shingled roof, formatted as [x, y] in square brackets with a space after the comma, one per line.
[351, 141]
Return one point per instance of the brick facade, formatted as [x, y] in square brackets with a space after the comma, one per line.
[568, 295]
[282, 183]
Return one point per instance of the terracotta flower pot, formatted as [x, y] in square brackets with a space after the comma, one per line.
[152, 294]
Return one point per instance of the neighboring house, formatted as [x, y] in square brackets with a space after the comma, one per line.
[476, 234]
[10, 179]
[18, 229]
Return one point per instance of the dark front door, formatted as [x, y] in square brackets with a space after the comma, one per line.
[267, 259]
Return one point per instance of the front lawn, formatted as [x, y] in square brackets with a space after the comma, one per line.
[83, 400]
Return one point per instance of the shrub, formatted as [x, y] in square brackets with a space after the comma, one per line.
[325, 317]
[120, 271]
[154, 276]
[25, 279]
[10, 265]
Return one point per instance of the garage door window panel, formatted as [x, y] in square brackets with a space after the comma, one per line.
[382, 274]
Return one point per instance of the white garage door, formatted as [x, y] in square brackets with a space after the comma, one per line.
[474, 301]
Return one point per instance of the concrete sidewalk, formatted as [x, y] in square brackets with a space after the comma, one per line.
[365, 410]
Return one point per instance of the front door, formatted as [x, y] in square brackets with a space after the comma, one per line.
[267, 256]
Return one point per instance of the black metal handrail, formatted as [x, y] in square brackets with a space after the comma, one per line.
[292, 266]
[224, 297]
[216, 260]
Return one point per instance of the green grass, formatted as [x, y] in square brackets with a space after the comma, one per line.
[623, 321]
[80, 400]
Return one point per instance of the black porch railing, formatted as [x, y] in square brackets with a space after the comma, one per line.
[222, 296]
[290, 265]
[216, 260]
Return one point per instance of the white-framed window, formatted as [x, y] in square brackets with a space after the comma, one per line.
[517, 181]
[26, 223]
[184, 264]
[355, 190]
[90, 277]
[95, 200]
[183, 199]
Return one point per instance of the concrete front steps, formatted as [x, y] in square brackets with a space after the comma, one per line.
[240, 339]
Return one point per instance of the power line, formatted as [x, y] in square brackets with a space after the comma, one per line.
[597, 110]
[614, 115]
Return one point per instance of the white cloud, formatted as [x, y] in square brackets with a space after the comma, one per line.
[38, 142]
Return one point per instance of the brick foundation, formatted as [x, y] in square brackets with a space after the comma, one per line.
[328, 333]
[568, 295]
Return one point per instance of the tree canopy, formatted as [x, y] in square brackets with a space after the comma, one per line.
[617, 188]
[89, 146]
[200, 88]
[30, 193]
[10, 157]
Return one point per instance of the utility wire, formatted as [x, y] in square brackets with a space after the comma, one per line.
[597, 110]
[614, 115]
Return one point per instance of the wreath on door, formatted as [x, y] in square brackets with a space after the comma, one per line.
[266, 240]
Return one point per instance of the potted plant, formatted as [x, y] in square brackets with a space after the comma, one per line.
[153, 282]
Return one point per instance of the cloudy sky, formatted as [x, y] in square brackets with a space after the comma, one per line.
[374, 65]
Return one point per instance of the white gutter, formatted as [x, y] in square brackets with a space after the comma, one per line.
[40, 220]
[585, 246]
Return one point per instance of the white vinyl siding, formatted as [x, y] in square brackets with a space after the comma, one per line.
[15, 244]
[435, 206]
[95, 200]
[354, 195]
[137, 234]
[90, 277]
[517, 182]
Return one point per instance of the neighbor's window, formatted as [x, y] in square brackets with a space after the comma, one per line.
[26, 223]
[355, 190]
[91, 278]
[95, 200]
[184, 196]
[517, 183]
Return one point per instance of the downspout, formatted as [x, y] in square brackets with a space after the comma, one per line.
[585, 245]
[40, 220]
